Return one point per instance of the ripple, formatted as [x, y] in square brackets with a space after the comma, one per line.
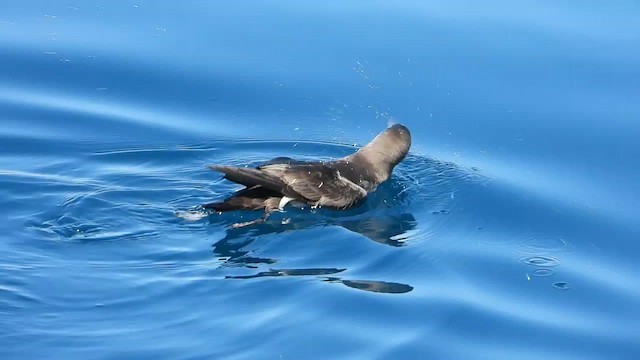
[76, 224]
[493, 238]
[541, 261]
[443, 179]
[543, 272]
[536, 245]
[116, 111]
[192, 215]
[66, 227]
[16, 297]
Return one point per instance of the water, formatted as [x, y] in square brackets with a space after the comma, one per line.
[510, 232]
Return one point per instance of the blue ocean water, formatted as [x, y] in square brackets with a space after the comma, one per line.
[510, 232]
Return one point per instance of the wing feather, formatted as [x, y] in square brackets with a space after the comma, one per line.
[318, 184]
[323, 185]
[250, 177]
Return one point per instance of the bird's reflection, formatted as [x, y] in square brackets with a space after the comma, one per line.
[375, 286]
[390, 229]
[290, 272]
[366, 285]
[387, 229]
[378, 220]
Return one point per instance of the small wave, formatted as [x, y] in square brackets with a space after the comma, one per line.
[192, 215]
[541, 261]
[543, 244]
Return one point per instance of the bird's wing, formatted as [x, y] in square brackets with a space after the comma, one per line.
[322, 185]
[317, 183]
[282, 160]
[250, 177]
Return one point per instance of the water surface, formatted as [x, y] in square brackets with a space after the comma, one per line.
[510, 232]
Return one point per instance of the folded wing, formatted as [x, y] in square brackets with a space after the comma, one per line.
[316, 183]
[323, 185]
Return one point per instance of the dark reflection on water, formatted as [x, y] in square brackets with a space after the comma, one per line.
[290, 272]
[382, 227]
[376, 286]
[366, 285]
[231, 248]
[388, 229]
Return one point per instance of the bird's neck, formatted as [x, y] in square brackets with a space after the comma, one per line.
[367, 167]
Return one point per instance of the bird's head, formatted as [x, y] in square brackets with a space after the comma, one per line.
[386, 150]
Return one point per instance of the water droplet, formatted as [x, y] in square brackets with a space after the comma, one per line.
[561, 285]
[543, 272]
[543, 261]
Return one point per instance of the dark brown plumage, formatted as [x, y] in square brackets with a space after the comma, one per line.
[338, 184]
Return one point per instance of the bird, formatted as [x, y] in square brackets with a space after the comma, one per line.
[338, 184]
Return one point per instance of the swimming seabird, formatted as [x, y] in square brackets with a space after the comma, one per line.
[338, 184]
